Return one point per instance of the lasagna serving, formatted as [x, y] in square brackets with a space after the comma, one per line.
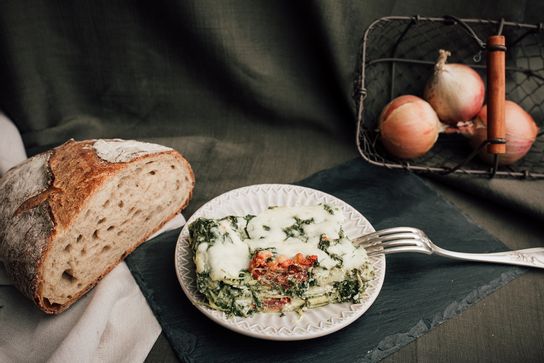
[284, 259]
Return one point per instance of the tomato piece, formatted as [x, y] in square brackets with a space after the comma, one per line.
[281, 271]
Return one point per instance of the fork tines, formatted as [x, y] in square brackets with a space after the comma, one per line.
[388, 239]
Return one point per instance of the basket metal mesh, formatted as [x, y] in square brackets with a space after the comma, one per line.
[397, 57]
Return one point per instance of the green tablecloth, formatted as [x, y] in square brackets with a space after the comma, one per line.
[419, 291]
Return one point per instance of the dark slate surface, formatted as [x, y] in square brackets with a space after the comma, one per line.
[419, 291]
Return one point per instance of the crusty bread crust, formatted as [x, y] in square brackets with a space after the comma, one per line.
[25, 234]
[42, 197]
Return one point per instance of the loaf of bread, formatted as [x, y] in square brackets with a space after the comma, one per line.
[70, 215]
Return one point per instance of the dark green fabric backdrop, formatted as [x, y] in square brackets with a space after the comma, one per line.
[185, 68]
[234, 85]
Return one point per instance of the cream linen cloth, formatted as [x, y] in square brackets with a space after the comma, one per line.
[112, 323]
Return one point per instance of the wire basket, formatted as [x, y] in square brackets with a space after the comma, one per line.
[397, 58]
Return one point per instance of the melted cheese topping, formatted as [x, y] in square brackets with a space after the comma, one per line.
[287, 230]
[226, 257]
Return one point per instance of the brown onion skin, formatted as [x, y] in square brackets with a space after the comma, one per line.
[409, 127]
[521, 131]
[455, 91]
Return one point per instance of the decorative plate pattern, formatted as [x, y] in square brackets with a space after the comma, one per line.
[312, 323]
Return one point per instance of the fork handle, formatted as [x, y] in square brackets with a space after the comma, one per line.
[530, 257]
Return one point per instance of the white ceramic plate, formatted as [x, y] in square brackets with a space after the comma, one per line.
[273, 326]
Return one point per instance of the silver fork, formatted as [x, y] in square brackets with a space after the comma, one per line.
[408, 239]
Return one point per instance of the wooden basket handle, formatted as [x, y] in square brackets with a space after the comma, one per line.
[496, 94]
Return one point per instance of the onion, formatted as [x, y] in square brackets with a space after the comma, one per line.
[409, 127]
[455, 91]
[521, 131]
